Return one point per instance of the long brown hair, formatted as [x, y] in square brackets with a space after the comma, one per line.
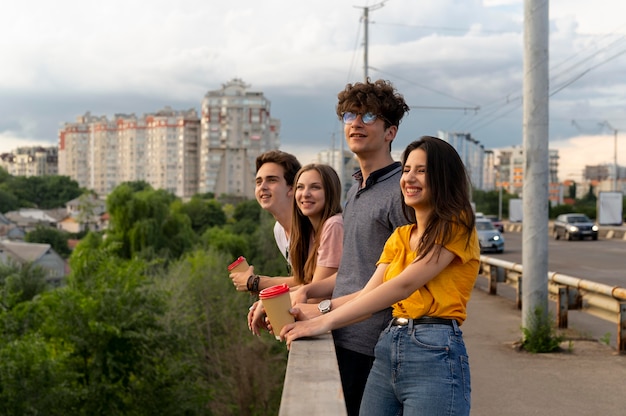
[449, 186]
[303, 264]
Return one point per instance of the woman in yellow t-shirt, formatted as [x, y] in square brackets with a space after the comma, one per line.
[426, 273]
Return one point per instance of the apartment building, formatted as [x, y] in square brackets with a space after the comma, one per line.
[511, 172]
[236, 127]
[159, 148]
[472, 154]
[174, 150]
[31, 161]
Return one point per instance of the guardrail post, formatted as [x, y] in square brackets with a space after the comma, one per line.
[518, 299]
[493, 280]
[621, 329]
[562, 305]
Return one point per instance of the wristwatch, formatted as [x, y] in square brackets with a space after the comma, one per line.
[324, 306]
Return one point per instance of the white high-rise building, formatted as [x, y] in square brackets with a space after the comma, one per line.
[174, 150]
[472, 154]
[159, 148]
[236, 127]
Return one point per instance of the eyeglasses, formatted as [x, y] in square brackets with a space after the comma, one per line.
[368, 118]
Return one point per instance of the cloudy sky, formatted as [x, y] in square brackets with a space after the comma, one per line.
[457, 62]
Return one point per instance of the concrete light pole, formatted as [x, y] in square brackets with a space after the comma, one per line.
[536, 165]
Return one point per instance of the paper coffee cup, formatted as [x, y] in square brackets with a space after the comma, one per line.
[239, 265]
[277, 302]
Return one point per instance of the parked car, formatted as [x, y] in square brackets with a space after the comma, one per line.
[574, 226]
[489, 237]
[496, 222]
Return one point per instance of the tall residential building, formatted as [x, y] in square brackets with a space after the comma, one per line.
[236, 127]
[31, 161]
[472, 154]
[159, 148]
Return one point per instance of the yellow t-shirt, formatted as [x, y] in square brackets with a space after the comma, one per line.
[444, 296]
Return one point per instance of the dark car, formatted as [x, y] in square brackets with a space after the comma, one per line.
[496, 222]
[574, 226]
[489, 237]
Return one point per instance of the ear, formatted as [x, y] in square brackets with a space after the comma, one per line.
[390, 133]
[290, 191]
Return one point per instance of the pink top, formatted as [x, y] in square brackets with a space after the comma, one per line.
[331, 243]
[273, 291]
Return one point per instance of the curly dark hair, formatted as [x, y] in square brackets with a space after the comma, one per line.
[379, 97]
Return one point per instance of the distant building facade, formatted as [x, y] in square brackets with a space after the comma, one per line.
[472, 154]
[345, 165]
[236, 127]
[174, 150]
[31, 161]
[511, 172]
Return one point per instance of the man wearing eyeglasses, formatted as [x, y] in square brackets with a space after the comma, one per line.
[371, 113]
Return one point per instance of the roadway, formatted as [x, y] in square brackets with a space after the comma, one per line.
[601, 261]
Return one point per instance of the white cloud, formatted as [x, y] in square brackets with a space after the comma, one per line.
[580, 151]
[63, 58]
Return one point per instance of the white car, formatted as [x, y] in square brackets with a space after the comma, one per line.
[489, 237]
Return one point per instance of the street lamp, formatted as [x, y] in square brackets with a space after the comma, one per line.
[499, 185]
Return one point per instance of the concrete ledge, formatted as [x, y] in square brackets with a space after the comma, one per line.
[312, 383]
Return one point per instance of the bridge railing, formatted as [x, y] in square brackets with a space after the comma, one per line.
[569, 293]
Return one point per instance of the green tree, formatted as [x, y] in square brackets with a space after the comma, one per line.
[203, 213]
[47, 235]
[4, 175]
[236, 374]
[141, 223]
[8, 201]
[20, 283]
[44, 192]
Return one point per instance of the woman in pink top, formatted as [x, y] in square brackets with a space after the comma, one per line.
[316, 239]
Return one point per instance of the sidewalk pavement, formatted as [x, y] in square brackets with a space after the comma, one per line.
[587, 378]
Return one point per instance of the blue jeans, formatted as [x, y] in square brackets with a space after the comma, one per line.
[419, 370]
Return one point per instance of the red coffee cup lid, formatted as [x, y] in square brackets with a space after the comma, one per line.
[236, 263]
[274, 291]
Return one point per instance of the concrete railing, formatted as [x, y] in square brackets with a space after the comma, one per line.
[312, 384]
[604, 301]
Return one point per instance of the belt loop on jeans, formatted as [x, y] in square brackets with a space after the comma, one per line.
[421, 321]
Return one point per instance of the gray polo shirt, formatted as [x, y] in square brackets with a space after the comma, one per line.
[370, 215]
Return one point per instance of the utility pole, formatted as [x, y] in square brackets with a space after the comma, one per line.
[536, 166]
[366, 13]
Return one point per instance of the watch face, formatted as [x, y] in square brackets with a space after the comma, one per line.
[324, 306]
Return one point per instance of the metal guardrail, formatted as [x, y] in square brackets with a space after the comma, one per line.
[604, 301]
